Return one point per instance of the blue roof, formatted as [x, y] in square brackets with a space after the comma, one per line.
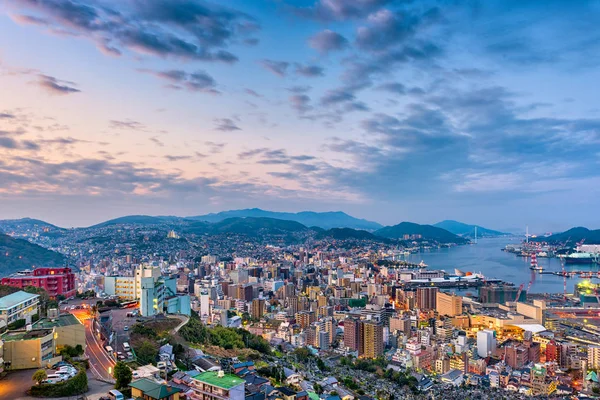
[16, 298]
[243, 364]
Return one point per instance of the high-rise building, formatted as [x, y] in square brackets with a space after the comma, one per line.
[486, 343]
[500, 294]
[372, 339]
[448, 304]
[258, 308]
[593, 357]
[352, 338]
[305, 318]
[516, 356]
[426, 297]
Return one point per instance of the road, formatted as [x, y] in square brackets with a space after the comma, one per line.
[101, 364]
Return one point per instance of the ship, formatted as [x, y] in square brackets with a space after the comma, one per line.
[580, 258]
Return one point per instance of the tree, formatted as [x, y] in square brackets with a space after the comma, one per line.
[40, 376]
[122, 375]
[146, 351]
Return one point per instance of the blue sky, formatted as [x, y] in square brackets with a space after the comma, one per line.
[481, 111]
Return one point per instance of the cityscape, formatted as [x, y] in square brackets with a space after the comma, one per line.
[299, 200]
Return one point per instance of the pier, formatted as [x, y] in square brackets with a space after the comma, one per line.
[455, 284]
[574, 274]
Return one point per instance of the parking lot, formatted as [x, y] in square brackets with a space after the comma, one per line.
[120, 326]
[15, 384]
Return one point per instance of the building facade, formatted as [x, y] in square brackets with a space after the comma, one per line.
[55, 281]
[16, 306]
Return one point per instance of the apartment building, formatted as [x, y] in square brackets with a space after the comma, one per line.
[16, 306]
[217, 385]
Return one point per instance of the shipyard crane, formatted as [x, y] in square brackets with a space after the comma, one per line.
[519, 292]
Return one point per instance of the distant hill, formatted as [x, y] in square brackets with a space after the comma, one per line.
[18, 254]
[426, 231]
[466, 230]
[7, 225]
[325, 220]
[348, 233]
[136, 219]
[572, 236]
[250, 226]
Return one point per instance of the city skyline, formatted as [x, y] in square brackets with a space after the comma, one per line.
[482, 112]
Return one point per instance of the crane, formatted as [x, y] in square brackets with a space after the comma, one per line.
[519, 292]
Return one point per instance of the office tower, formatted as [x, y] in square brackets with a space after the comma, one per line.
[305, 318]
[426, 298]
[448, 304]
[352, 334]
[486, 343]
[258, 308]
[372, 339]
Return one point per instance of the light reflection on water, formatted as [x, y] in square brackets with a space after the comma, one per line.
[487, 258]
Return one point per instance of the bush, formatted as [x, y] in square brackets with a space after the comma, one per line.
[228, 338]
[18, 324]
[74, 386]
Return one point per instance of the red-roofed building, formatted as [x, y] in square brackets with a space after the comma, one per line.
[56, 281]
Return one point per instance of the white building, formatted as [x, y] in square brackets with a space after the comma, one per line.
[486, 343]
[16, 306]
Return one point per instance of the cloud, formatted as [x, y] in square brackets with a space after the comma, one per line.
[4, 115]
[190, 29]
[252, 93]
[177, 158]
[299, 89]
[393, 87]
[300, 103]
[226, 125]
[157, 141]
[309, 71]
[215, 147]
[56, 86]
[8, 141]
[387, 28]
[327, 41]
[329, 10]
[278, 68]
[336, 96]
[127, 124]
[198, 81]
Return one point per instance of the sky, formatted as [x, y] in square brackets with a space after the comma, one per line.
[485, 111]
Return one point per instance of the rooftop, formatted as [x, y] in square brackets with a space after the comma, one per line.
[26, 335]
[227, 381]
[62, 320]
[16, 298]
[153, 389]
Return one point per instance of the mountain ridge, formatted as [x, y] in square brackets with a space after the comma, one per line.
[573, 236]
[18, 254]
[426, 231]
[325, 220]
[467, 230]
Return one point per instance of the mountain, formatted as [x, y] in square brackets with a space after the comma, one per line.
[325, 220]
[18, 254]
[426, 231]
[466, 230]
[572, 236]
[137, 220]
[251, 226]
[348, 233]
[24, 224]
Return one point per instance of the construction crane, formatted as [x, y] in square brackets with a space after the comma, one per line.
[519, 292]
